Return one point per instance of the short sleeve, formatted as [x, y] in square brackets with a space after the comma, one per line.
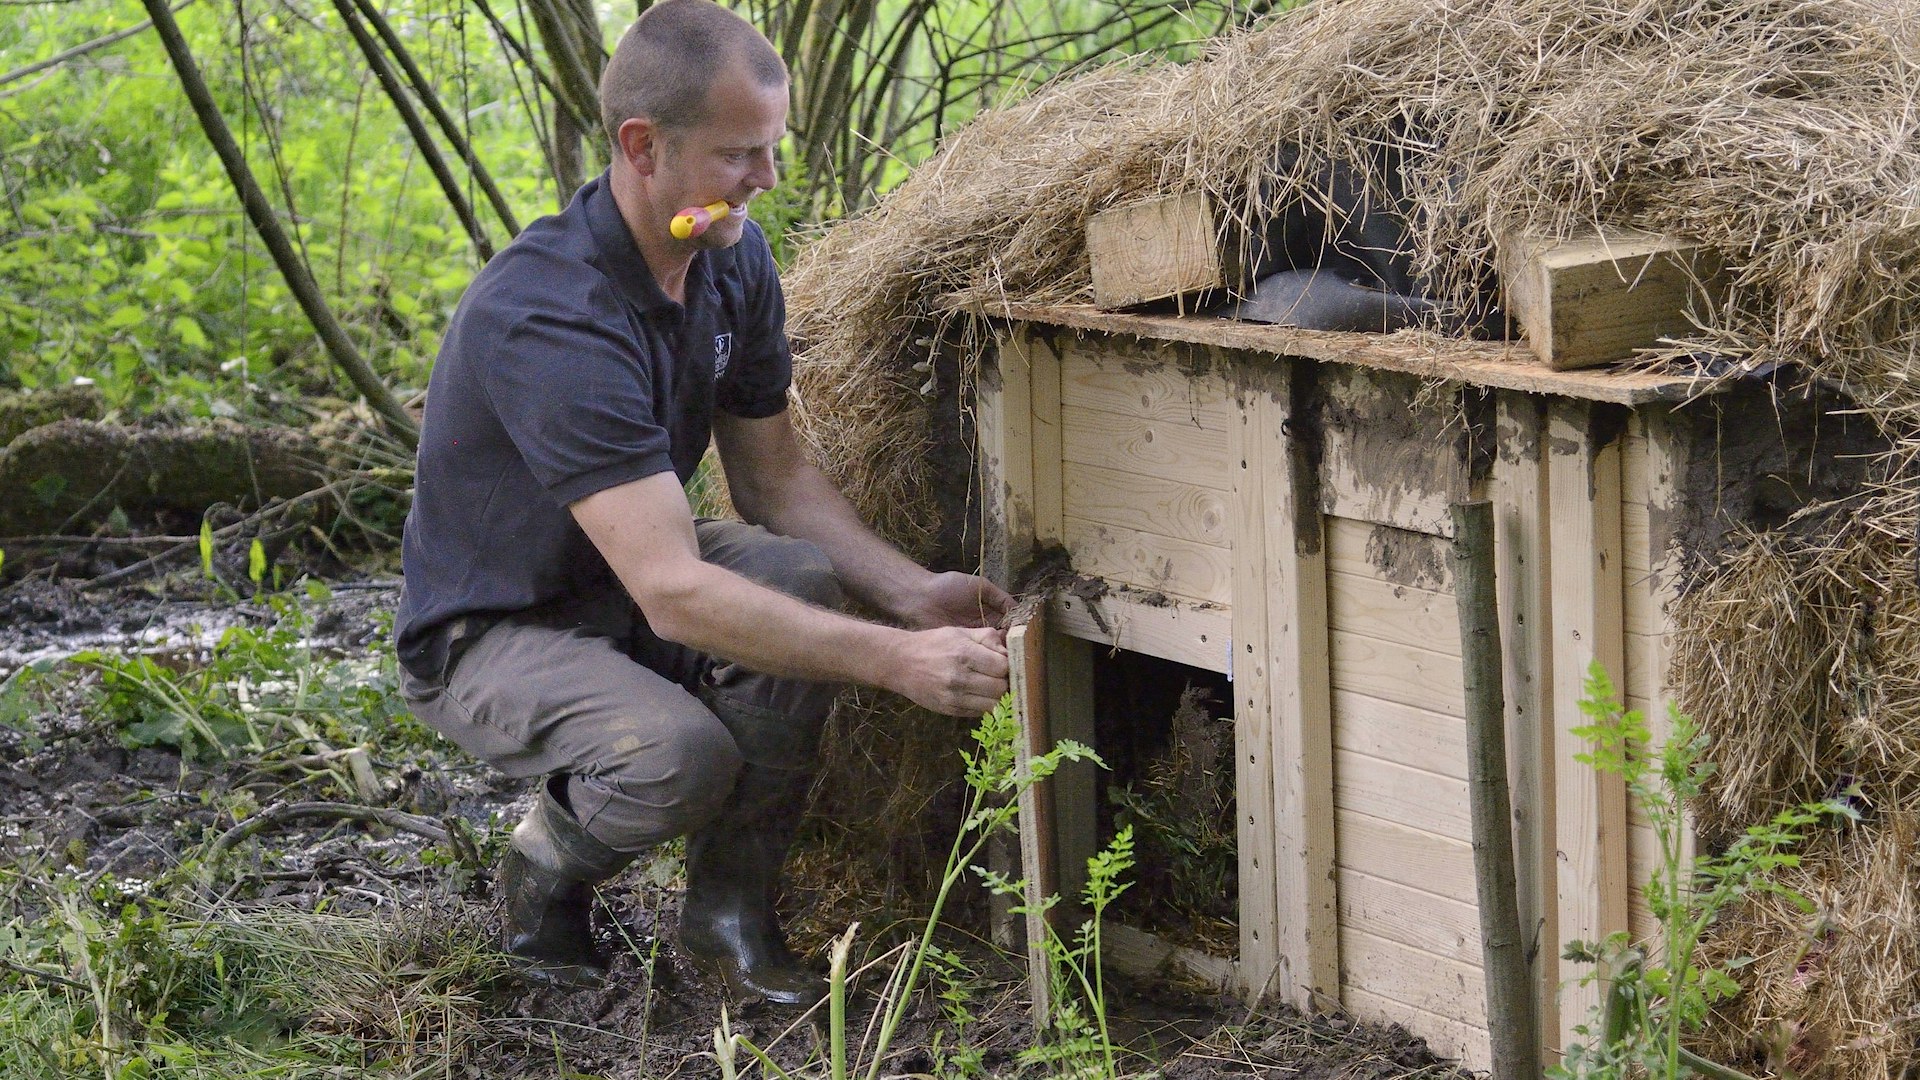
[576, 395]
[755, 383]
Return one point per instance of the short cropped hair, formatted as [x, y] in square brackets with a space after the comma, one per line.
[670, 56]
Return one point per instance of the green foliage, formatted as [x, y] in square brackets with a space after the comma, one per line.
[258, 688]
[1653, 1000]
[123, 255]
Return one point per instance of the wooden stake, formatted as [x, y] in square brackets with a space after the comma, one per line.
[1511, 1022]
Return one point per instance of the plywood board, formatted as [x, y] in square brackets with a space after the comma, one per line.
[1109, 496]
[1197, 635]
[1385, 848]
[1180, 568]
[1586, 582]
[1507, 366]
[1168, 451]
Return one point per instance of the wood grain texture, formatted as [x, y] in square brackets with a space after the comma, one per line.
[1586, 580]
[1108, 496]
[1409, 796]
[1422, 678]
[1196, 635]
[1027, 655]
[1596, 298]
[1158, 248]
[1403, 614]
[1400, 734]
[1409, 915]
[1169, 383]
[1162, 449]
[1403, 853]
[1448, 1037]
[1179, 568]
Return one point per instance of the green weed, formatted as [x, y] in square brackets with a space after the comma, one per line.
[1654, 999]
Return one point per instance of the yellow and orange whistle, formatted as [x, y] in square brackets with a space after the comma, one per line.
[694, 220]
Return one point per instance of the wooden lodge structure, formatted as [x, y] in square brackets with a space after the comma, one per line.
[1273, 504]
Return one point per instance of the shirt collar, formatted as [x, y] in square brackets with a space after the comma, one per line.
[622, 256]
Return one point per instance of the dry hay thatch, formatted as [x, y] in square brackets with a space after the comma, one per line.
[1833, 992]
[1779, 134]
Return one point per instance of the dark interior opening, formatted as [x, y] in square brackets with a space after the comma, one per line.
[1165, 731]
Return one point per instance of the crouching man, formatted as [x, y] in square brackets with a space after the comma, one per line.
[566, 616]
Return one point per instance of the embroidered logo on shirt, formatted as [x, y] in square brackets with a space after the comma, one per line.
[722, 352]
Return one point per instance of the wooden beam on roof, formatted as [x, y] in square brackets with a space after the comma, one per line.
[1168, 247]
[1600, 297]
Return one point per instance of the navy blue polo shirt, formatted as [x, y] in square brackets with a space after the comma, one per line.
[566, 371]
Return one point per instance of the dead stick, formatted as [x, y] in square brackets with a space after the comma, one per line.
[1511, 1022]
[285, 812]
[299, 279]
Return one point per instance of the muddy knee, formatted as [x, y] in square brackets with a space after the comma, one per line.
[646, 791]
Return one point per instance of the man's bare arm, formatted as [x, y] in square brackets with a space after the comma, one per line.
[773, 484]
[644, 529]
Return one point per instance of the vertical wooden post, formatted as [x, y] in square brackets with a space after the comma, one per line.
[1027, 654]
[1583, 466]
[1666, 462]
[1070, 714]
[1511, 1024]
[1293, 701]
[1520, 548]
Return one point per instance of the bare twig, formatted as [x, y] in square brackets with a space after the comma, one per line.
[82, 49]
[328, 811]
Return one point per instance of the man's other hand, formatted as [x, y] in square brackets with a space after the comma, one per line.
[958, 671]
[955, 599]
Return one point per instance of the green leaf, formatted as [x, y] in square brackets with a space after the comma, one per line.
[124, 316]
[189, 332]
[256, 561]
[206, 546]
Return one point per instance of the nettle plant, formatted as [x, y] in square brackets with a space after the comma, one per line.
[1655, 996]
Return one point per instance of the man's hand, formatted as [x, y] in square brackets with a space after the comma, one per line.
[955, 599]
[954, 670]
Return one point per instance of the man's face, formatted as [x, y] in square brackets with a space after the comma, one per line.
[729, 157]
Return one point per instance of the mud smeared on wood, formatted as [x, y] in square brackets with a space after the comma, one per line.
[1413, 559]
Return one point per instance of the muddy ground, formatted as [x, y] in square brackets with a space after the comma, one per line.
[77, 800]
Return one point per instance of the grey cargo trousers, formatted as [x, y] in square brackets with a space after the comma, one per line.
[649, 734]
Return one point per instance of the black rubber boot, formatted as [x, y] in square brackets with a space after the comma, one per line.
[547, 880]
[727, 923]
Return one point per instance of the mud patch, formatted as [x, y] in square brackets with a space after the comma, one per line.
[1409, 558]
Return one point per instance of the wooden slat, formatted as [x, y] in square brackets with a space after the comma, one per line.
[1413, 797]
[1158, 448]
[1410, 915]
[1003, 423]
[1119, 375]
[1411, 976]
[1142, 955]
[1167, 507]
[1027, 656]
[1447, 1037]
[1198, 636]
[1263, 960]
[1586, 582]
[1397, 555]
[1075, 799]
[1043, 362]
[1143, 560]
[1666, 462]
[1520, 523]
[1422, 678]
[1294, 575]
[1506, 366]
[1401, 734]
[1377, 608]
[1388, 849]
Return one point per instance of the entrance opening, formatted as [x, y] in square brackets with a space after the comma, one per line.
[1165, 731]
